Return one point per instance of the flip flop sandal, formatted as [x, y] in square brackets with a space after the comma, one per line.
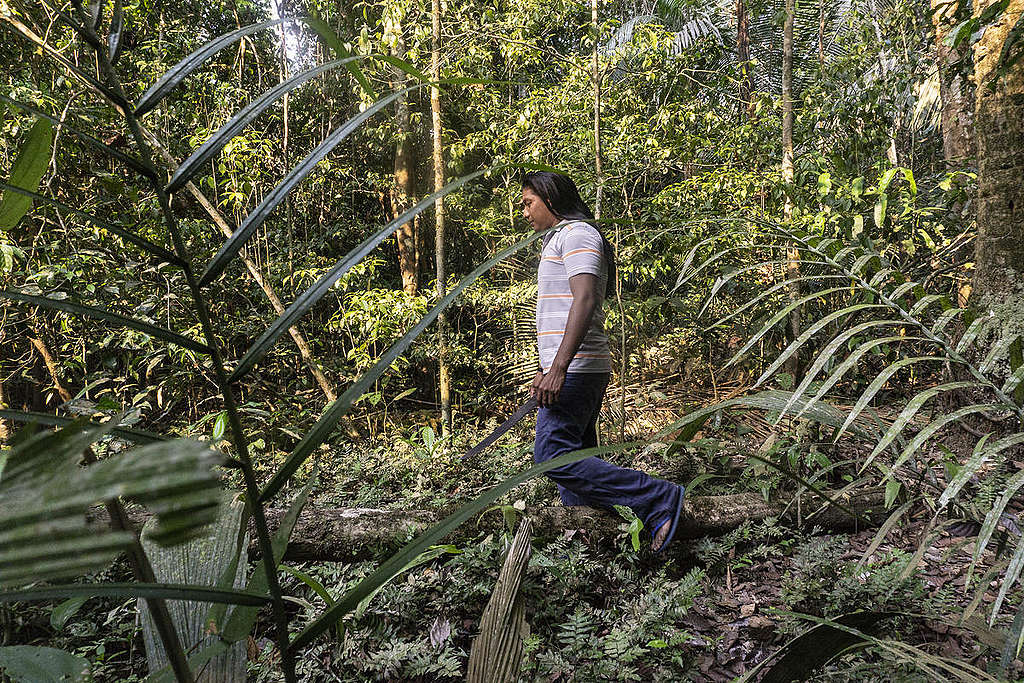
[675, 522]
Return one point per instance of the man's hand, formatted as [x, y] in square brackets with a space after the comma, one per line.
[545, 388]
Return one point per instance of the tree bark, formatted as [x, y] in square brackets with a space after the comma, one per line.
[792, 255]
[402, 190]
[958, 145]
[354, 534]
[444, 381]
[743, 57]
[51, 365]
[999, 120]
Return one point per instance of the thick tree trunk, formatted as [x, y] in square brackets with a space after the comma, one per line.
[351, 534]
[444, 381]
[958, 146]
[402, 190]
[999, 121]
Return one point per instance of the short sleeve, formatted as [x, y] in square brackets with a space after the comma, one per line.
[583, 250]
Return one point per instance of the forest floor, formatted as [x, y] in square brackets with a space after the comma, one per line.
[598, 610]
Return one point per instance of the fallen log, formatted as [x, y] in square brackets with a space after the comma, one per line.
[355, 534]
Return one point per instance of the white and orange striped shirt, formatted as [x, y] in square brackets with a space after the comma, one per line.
[572, 248]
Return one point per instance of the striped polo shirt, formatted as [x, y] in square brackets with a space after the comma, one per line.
[572, 248]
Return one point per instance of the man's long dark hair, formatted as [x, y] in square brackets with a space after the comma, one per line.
[560, 194]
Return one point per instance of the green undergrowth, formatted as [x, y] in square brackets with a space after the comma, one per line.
[596, 610]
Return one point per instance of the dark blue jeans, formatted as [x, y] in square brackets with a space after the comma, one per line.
[569, 425]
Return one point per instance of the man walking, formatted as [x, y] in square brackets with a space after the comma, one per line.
[575, 268]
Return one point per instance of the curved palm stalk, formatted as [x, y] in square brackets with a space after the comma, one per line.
[202, 310]
[826, 354]
[294, 177]
[781, 315]
[243, 118]
[123, 233]
[311, 296]
[768, 292]
[911, 409]
[795, 345]
[100, 314]
[177, 73]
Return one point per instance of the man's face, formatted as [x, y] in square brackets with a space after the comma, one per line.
[536, 212]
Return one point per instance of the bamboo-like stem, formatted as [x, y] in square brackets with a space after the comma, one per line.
[444, 381]
[238, 434]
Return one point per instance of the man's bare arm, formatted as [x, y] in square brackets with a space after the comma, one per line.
[584, 302]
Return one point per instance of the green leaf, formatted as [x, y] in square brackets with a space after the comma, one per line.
[775, 319]
[323, 285]
[31, 664]
[331, 39]
[116, 29]
[121, 232]
[1013, 571]
[806, 335]
[243, 118]
[428, 555]
[827, 354]
[911, 409]
[937, 424]
[877, 384]
[241, 621]
[43, 528]
[220, 425]
[114, 318]
[771, 290]
[892, 489]
[179, 71]
[137, 435]
[167, 591]
[432, 536]
[28, 170]
[273, 198]
[325, 425]
[65, 610]
[884, 530]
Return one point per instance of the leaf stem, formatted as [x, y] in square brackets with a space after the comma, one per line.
[238, 434]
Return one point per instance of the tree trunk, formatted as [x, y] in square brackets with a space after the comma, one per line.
[999, 120]
[51, 365]
[355, 534]
[958, 146]
[792, 255]
[444, 382]
[402, 190]
[596, 77]
[743, 57]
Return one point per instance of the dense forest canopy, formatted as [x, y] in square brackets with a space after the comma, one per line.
[266, 278]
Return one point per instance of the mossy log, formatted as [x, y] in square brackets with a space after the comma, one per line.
[353, 534]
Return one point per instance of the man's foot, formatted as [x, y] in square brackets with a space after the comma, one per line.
[663, 534]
